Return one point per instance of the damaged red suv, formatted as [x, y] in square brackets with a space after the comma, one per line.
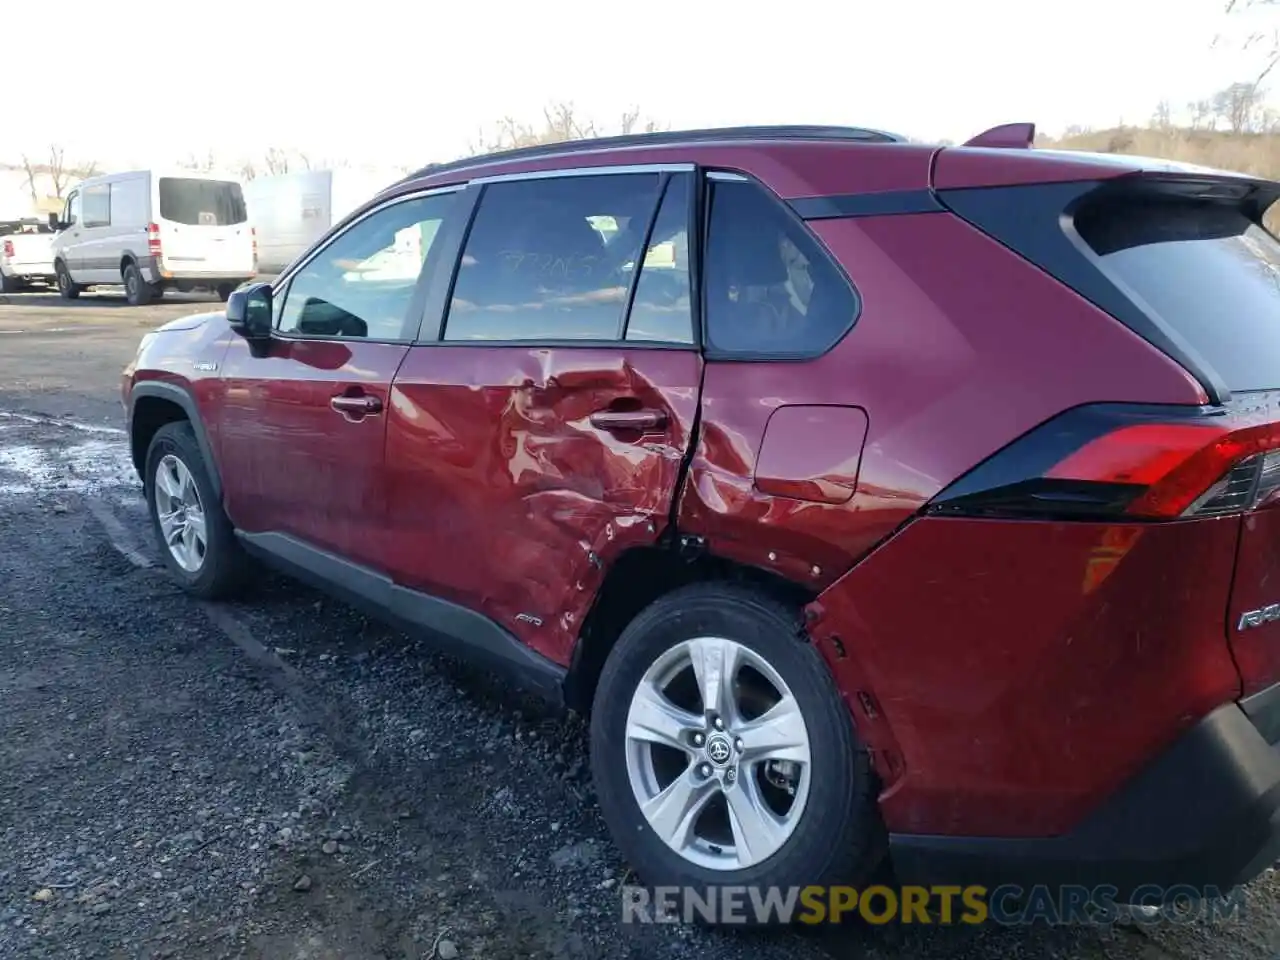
[874, 498]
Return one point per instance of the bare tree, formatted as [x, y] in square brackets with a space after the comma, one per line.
[1266, 40]
[560, 122]
[1162, 119]
[206, 164]
[1238, 105]
[59, 173]
[1202, 116]
[276, 160]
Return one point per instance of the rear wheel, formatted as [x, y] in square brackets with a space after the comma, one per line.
[723, 753]
[9, 284]
[136, 289]
[224, 291]
[67, 288]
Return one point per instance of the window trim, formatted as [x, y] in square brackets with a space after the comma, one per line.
[412, 317]
[76, 194]
[442, 300]
[710, 177]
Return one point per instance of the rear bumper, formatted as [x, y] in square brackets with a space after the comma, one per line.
[179, 274]
[1206, 813]
[29, 269]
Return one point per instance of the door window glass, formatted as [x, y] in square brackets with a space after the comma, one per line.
[551, 259]
[97, 205]
[662, 308]
[361, 284]
[73, 208]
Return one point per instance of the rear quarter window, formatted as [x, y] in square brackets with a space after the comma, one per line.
[771, 289]
[1206, 270]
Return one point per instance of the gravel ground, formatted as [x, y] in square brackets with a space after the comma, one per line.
[282, 778]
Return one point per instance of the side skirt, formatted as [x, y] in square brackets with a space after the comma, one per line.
[456, 630]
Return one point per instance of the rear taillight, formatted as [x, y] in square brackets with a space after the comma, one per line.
[8, 248]
[1145, 463]
[153, 240]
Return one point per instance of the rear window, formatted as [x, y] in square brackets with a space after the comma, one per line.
[12, 227]
[1206, 270]
[201, 203]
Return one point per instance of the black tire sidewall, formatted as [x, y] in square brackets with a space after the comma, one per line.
[838, 837]
[135, 292]
[222, 553]
[66, 286]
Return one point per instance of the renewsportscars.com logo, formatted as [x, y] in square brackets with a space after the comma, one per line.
[971, 905]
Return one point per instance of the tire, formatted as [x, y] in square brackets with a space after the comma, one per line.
[220, 572]
[67, 288]
[837, 835]
[137, 291]
[224, 291]
[9, 284]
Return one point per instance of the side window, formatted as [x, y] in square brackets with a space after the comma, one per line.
[97, 205]
[770, 288]
[662, 309]
[72, 214]
[361, 283]
[551, 259]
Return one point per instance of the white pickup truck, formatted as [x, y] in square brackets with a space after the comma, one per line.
[26, 254]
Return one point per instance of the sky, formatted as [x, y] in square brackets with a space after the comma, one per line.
[404, 82]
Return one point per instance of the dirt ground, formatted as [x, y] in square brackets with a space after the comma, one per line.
[281, 778]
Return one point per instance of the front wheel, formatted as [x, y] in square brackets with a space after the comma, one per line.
[224, 291]
[68, 289]
[723, 753]
[194, 534]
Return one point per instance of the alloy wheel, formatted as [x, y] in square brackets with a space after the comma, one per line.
[181, 513]
[718, 753]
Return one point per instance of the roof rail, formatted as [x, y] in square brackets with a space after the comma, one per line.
[1017, 136]
[667, 138]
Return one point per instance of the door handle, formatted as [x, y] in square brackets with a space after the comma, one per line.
[628, 419]
[354, 408]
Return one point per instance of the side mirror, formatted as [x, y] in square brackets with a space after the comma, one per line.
[249, 311]
[55, 224]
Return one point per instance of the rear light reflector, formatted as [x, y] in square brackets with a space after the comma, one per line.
[1112, 461]
[153, 240]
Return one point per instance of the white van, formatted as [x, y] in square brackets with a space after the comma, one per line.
[152, 232]
[290, 211]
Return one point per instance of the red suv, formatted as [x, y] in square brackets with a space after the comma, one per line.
[871, 496]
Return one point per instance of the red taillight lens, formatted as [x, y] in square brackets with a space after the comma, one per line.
[1150, 463]
[153, 239]
[8, 248]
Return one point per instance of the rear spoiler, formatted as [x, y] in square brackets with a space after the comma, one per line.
[1014, 136]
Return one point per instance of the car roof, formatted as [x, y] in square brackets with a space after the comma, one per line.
[796, 160]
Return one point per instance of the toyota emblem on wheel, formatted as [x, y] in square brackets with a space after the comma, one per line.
[718, 750]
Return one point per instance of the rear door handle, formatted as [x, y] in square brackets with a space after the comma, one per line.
[353, 408]
[628, 419]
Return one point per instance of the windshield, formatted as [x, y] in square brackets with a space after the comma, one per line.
[202, 203]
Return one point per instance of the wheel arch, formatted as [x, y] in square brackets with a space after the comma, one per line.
[639, 576]
[152, 404]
